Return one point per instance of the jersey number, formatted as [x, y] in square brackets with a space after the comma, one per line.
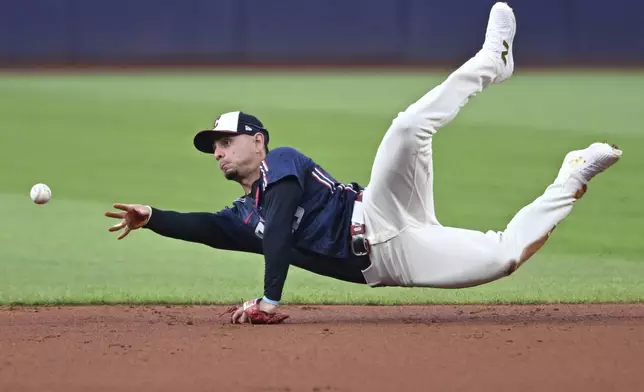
[297, 219]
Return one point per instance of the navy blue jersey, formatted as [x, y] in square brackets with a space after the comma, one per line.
[321, 222]
[314, 233]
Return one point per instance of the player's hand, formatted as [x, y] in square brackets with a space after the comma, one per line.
[240, 317]
[132, 216]
[256, 312]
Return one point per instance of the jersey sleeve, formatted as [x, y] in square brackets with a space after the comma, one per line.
[220, 230]
[284, 162]
[281, 203]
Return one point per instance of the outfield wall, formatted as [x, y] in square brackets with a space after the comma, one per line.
[440, 31]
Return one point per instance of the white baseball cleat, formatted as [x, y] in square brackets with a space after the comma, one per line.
[499, 39]
[587, 163]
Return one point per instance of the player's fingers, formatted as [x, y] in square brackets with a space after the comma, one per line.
[118, 226]
[124, 234]
[121, 206]
[113, 214]
[235, 318]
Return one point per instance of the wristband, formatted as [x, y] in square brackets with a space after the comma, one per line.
[270, 301]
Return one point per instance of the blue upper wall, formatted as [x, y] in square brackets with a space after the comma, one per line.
[78, 31]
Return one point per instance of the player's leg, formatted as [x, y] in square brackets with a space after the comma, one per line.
[434, 256]
[399, 193]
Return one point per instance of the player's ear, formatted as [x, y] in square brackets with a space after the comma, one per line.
[259, 143]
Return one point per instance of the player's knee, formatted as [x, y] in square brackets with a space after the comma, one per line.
[510, 262]
[503, 259]
[516, 258]
[401, 129]
[510, 266]
[409, 118]
[402, 122]
[411, 121]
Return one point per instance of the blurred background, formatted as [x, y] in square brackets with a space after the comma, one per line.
[76, 32]
[101, 99]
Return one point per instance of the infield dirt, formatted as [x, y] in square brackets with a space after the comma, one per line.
[324, 348]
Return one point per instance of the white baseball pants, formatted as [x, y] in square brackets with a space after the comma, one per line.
[409, 247]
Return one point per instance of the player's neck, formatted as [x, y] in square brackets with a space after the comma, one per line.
[247, 182]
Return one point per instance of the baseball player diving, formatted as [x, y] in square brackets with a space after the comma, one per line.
[294, 212]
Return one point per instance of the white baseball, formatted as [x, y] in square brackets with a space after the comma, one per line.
[40, 193]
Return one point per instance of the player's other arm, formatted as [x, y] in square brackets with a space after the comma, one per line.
[212, 229]
[281, 202]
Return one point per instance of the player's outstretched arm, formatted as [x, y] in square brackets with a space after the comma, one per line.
[212, 229]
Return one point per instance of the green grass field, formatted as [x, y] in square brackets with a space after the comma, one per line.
[96, 139]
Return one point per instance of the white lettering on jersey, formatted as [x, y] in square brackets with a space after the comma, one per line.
[297, 219]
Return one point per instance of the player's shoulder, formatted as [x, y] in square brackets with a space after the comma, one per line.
[286, 152]
[283, 162]
[240, 206]
[286, 158]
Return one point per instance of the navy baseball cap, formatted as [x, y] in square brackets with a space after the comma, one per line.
[231, 123]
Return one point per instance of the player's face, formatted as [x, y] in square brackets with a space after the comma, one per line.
[237, 156]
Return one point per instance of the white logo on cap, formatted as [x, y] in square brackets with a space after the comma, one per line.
[248, 128]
